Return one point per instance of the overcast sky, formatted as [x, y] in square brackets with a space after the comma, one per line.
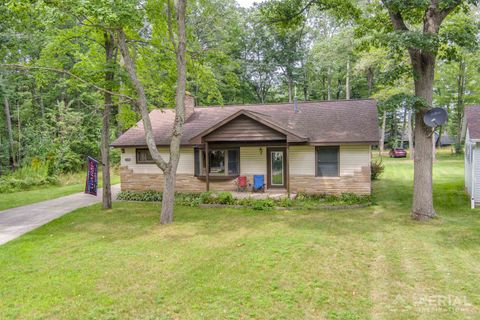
[247, 3]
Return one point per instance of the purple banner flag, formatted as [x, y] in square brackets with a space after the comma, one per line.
[92, 176]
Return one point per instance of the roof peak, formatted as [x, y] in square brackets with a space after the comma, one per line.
[285, 103]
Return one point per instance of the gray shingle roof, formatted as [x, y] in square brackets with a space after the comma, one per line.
[472, 116]
[346, 121]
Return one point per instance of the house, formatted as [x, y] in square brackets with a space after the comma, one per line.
[314, 147]
[472, 154]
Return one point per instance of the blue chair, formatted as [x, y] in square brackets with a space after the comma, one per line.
[259, 183]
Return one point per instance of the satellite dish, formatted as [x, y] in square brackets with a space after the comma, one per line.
[435, 117]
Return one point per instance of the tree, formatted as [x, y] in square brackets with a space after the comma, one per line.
[8, 121]
[107, 105]
[457, 76]
[422, 46]
[169, 168]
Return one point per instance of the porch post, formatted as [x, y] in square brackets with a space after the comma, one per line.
[207, 166]
[288, 171]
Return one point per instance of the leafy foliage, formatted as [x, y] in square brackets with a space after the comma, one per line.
[377, 167]
[36, 174]
[226, 198]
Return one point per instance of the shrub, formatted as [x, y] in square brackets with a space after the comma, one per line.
[377, 168]
[188, 199]
[69, 162]
[207, 197]
[149, 195]
[285, 202]
[36, 174]
[225, 198]
[263, 204]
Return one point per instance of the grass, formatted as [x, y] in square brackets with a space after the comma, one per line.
[69, 184]
[371, 263]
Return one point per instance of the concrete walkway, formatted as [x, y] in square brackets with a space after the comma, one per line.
[17, 221]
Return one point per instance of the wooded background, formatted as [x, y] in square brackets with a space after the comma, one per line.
[235, 55]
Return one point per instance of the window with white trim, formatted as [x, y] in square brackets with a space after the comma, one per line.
[222, 162]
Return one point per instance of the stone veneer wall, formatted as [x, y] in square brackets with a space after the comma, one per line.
[358, 183]
[185, 182]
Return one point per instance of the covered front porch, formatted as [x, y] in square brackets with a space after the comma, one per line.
[245, 144]
[227, 161]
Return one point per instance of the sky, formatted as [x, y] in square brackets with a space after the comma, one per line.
[247, 3]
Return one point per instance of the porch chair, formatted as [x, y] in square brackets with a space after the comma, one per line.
[258, 183]
[241, 183]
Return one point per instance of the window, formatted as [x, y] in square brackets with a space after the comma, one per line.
[327, 161]
[222, 162]
[217, 162]
[144, 156]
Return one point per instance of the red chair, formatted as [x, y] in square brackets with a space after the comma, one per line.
[241, 183]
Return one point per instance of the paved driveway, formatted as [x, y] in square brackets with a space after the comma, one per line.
[17, 221]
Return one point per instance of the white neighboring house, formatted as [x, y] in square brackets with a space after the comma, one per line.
[472, 154]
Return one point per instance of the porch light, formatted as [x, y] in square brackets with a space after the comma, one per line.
[260, 150]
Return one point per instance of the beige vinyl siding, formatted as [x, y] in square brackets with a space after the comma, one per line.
[353, 158]
[185, 164]
[302, 160]
[252, 162]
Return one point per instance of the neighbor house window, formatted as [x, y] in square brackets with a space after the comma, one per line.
[222, 162]
[327, 161]
[144, 156]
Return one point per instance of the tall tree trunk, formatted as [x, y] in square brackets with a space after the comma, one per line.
[8, 118]
[424, 68]
[460, 104]
[290, 87]
[404, 125]
[329, 84]
[169, 169]
[347, 82]
[395, 128]
[410, 135]
[324, 96]
[105, 144]
[19, 134]
[339, 88]
[170, 173]
[423, 65]
[370, 81]
[381, 146]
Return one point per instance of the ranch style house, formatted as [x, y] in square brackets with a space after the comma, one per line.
[313, 147]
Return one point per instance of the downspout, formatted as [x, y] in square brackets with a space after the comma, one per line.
[473, 175]
[472, 204]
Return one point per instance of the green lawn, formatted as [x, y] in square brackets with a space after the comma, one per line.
[69, 184]
[372, 263]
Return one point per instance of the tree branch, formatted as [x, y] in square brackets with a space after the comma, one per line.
[296, 14]
[23, 67]
[396, 17]
[169, 24]
[141, 102]
[434, 17]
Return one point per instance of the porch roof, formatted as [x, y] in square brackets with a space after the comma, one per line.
[260, 128]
